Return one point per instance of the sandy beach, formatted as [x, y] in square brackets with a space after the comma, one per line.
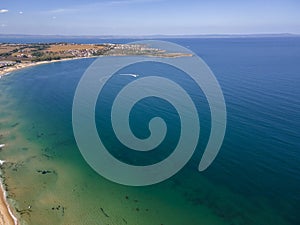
[6, 215]
[9, 69]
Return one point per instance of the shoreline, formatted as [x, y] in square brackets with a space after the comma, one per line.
[6, 215]
[8, 70]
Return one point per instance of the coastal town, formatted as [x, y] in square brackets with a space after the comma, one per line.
[18, 56]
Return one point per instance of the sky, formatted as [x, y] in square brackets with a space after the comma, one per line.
[149, 17]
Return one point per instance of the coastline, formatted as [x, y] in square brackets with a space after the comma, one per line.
[7, 70]
[19, 66]
[6, 215]
[10, 69]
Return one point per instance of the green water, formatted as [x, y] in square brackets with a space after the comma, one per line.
[76, 193]
[48, 181]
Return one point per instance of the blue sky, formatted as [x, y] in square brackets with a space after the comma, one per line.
[147, 17]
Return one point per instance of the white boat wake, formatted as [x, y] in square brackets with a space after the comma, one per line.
[129, 74]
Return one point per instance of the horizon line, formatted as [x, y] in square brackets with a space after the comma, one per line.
[155, 35]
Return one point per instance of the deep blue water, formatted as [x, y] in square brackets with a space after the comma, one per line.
[260, 79]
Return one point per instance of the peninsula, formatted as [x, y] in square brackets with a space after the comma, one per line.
[18, 56]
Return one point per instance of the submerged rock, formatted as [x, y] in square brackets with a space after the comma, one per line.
[15, 124]
[44, 171]
[104, 213]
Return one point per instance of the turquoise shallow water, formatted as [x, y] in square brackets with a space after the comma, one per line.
[254, 180]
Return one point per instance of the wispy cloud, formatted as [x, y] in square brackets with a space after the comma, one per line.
[62, 10]
[3, 10]
[93, 6]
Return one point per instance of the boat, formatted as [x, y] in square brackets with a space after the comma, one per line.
[2, 146]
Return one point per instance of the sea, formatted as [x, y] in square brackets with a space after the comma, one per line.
[254, 180]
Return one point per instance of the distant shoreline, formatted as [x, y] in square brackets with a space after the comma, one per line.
[254, 35]
[24, 65]
[8, 70]
[19, 56]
